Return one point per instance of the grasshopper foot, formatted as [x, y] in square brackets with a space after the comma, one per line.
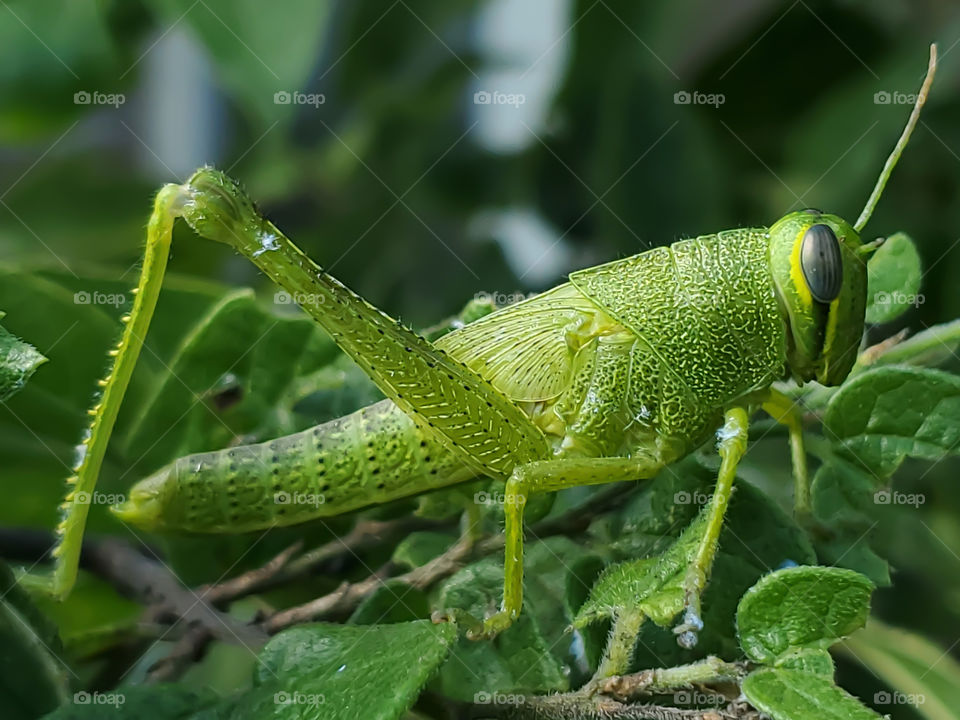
[692, 624]
[493, 626]
[460, 618]
[686, 631]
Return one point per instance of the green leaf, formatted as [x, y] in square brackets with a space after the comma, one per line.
[887, 414]
[18, 361]
[651, 585]
[92, 617]
[930, 347]
[158, 702]
[851, 550]
[392, 602]
[922, 674]
[33, 678]
[785, 694]
[419, 548]
[76, 322]
[809, 660]
[801, 607]
[758, 536]
[893, 279]
[222, 352]
[346, 671]
[256, 54]
[842, 493]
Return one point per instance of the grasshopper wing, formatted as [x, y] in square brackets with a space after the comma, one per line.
[527, 350]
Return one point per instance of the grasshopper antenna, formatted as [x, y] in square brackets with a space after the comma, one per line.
[901, 143]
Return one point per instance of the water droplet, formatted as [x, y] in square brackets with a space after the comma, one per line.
[79, 453]
[268, 241]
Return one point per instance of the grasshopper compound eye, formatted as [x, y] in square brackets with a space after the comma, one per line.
[821, 263]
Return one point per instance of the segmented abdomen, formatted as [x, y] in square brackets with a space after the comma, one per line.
[372, 456]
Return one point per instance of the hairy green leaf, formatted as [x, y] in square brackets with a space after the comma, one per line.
[651, 585]
[809, 660]
[893, 279]
[157, 702]
[392, 602]
[33, 678]
[786, 694]
[346, 671]
[18, 361]
[889, 413]
[801, 607]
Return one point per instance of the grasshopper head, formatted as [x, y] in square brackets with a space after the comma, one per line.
[819, 269]
[820, 273]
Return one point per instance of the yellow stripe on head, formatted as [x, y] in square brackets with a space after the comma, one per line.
[796, 272]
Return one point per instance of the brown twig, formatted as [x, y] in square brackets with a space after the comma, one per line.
[365, 535]
[153, 584]
[190, 648]
[349, 595]
[250, 581]
[576, 706]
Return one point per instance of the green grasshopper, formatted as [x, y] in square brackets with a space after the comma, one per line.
[609, 377]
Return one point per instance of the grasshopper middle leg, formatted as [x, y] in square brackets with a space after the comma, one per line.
[548, 476]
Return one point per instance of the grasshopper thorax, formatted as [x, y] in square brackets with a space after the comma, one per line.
[820, 276]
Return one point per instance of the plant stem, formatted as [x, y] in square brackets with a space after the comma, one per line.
[619, 651]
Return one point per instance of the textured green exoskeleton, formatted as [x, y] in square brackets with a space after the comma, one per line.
[612, 376]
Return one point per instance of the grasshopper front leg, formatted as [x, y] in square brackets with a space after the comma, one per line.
[784, 410]
[732, 446]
